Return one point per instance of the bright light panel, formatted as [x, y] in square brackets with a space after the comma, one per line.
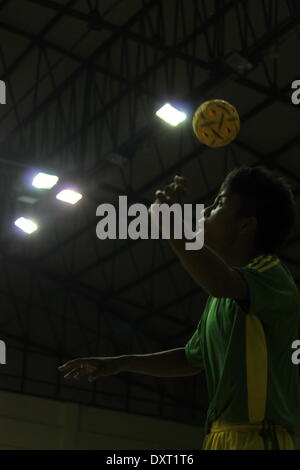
[69, 196]
[44, 181]
[171, 115]
[28, 226]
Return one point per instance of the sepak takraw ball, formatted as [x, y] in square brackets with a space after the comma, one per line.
[216, 123]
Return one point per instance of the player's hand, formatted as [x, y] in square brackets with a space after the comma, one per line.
[91, 368]
[172, 193]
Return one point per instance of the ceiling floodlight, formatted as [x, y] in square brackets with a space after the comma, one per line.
[171, 115]
[28, 226]
[44, 181]
[69, 196]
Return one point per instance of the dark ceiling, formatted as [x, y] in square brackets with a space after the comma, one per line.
[83, 80]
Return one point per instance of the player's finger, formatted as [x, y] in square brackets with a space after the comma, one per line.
[70, 374]
[180, 192]
[69, 365]
[180, 180]
[180, 188]
[170, 191]
[161, 196]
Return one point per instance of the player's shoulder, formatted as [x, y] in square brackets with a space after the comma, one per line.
[273, 269]
[274, 273]
[264, 263]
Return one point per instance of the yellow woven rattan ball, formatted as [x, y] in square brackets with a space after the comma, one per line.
[216, 123]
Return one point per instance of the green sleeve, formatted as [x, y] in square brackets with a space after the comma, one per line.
[193, 350]
[272, 294]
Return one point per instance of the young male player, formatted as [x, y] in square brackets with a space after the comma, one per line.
[244, 336]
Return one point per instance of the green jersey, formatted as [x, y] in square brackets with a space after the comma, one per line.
[246, 349]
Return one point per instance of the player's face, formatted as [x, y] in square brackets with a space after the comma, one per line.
[222, 223]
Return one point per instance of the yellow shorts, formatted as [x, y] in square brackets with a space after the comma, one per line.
[241, 436]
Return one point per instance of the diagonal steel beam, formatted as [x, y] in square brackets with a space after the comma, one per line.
[36, 40]
[138, 38]
[65, 84]
[45, 44]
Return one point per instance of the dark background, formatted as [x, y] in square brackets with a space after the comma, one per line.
[84, 79]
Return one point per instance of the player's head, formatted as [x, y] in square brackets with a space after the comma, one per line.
[258, 213]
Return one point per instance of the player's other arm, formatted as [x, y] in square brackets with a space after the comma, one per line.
[171, 363]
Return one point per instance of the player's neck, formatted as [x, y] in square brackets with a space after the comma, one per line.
[236, 256]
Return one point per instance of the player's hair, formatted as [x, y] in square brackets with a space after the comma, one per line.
[267, 197]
